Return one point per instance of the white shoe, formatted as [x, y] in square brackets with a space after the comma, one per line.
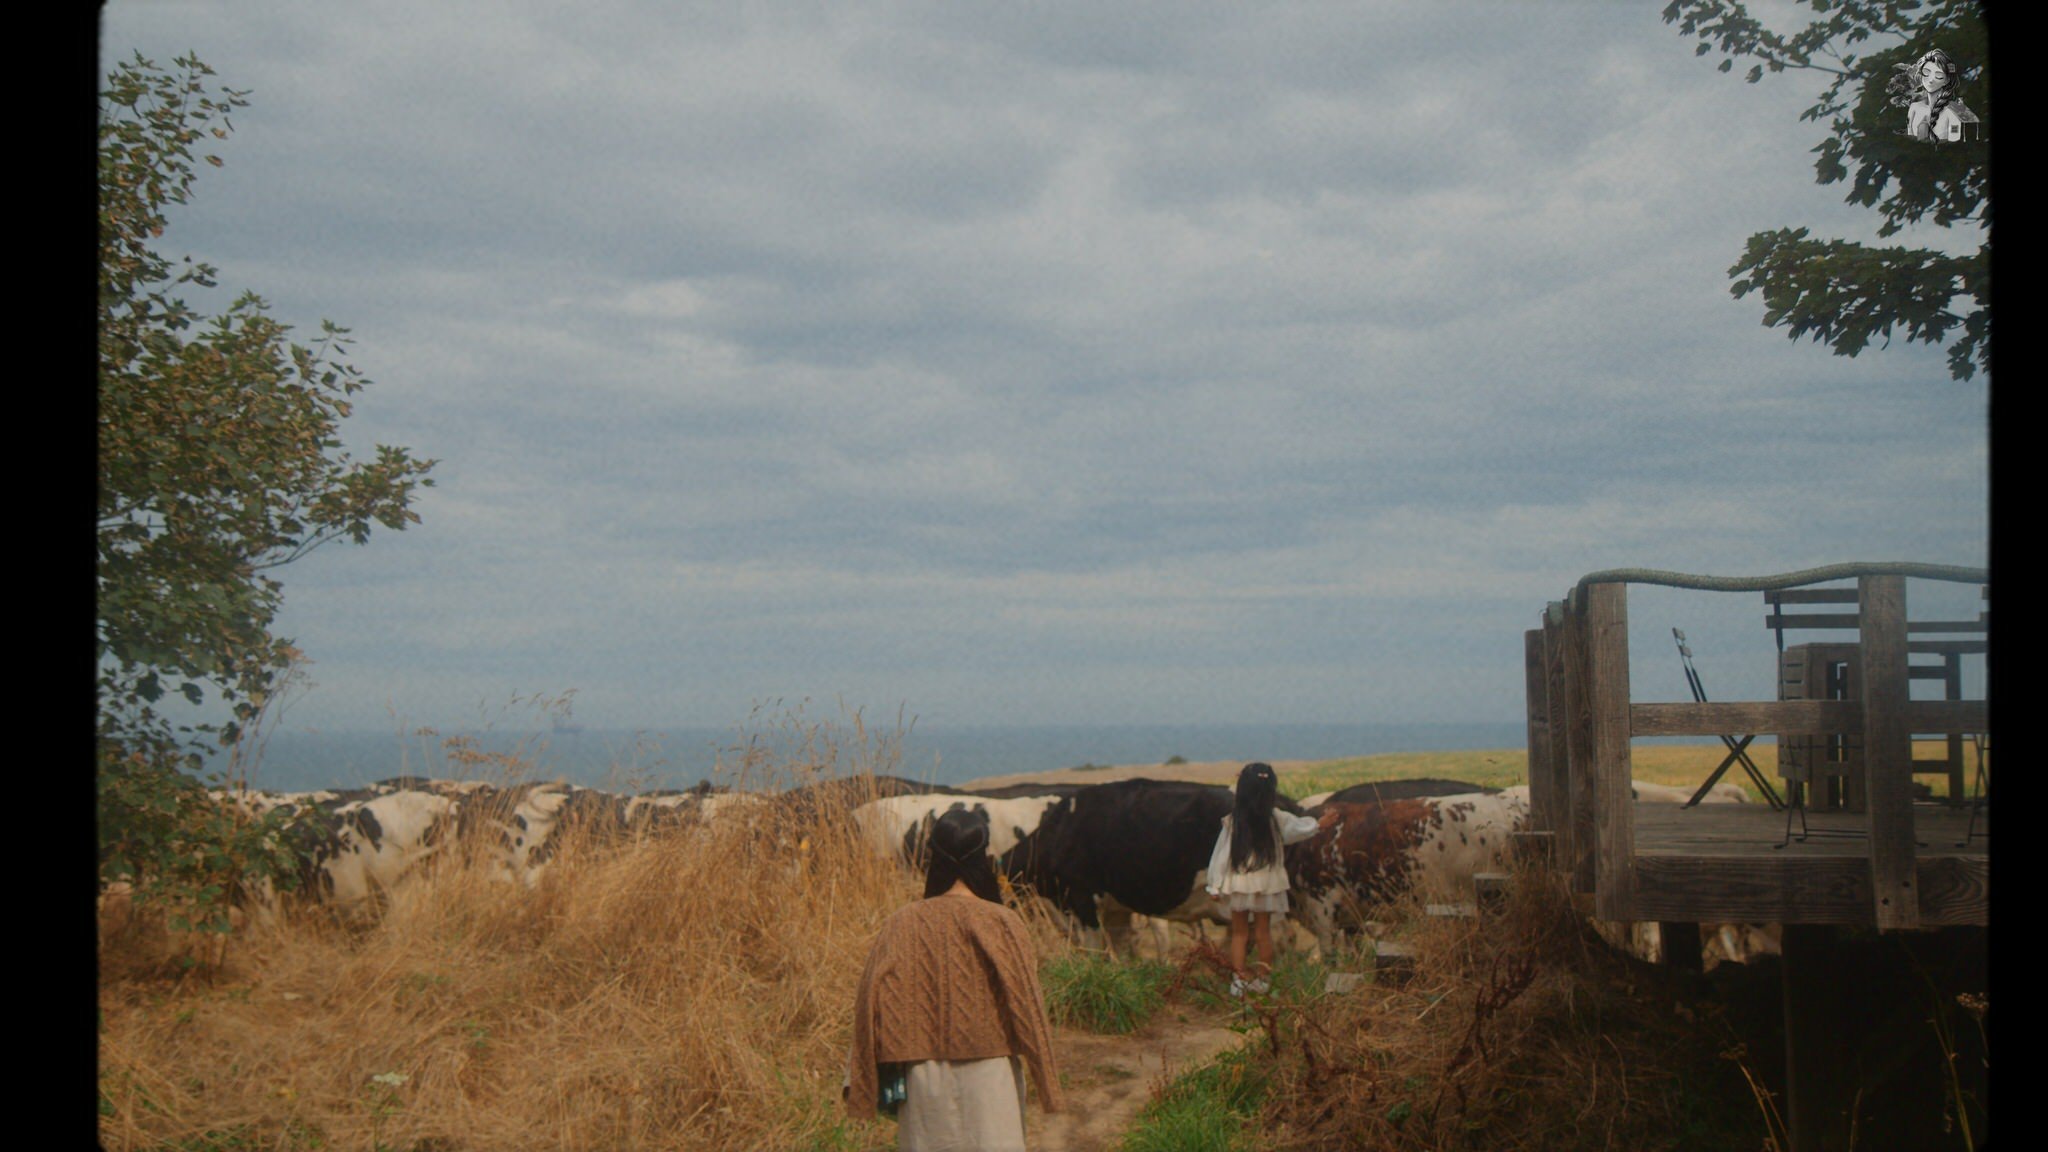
[1259, 986]
[1237, 987]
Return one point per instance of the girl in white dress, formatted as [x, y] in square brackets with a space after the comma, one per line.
[1248, 869]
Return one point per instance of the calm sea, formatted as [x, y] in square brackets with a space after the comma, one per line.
[678, 758]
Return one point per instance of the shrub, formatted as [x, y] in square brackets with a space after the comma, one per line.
[1102, 994]
[1205, 1110]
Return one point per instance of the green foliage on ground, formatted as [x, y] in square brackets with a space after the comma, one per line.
[220, 459]
[1098, 992]
[1208, 1109]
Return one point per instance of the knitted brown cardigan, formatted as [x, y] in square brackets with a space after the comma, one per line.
[950, 978]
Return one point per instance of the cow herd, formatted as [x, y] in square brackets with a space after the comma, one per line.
[1098, 854]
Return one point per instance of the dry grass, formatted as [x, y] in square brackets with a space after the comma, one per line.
[1520, 1031]
[682, 990]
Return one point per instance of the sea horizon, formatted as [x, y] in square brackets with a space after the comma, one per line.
[641, 759]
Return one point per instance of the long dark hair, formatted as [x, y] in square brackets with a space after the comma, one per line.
[1251, 821]
[959, 851]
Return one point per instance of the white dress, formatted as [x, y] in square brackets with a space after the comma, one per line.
[963, 1106]
[1261, 889]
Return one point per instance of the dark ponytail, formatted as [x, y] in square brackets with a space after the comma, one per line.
[959, 851]
[1251, 821]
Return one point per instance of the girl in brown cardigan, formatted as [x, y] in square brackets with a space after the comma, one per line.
[951, 990]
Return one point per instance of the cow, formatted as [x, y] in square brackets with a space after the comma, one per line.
[1376, 791]
[842, 794]
[371, 843]
[1124, 846]
[1431, 845]
[1016, 791]
[898, 826]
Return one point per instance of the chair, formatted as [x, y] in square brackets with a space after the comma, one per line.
[1833, 764]
[1738, 750]
[1947, 641]
[1981, 793]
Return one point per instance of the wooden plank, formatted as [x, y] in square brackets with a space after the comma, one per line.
[1613, 802]
[1952, 689]
[1846, 620]
[1939, 717]
[1560, 748]
[1811, 596]
[1535, 689]
[1959, 647]
[1800, 718]
[1812, 620]
[1803, 889]
[1742, 718]
[1579, 756]
[1888, 752]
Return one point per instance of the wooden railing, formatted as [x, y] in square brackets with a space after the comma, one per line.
[1581, 722]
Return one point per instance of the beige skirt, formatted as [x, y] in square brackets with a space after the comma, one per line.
[963, 1106]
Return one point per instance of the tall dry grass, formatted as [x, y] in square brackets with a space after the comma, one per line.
[690, 989]
[1518, 1030]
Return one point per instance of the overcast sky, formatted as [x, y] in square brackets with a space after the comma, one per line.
[1052, 363]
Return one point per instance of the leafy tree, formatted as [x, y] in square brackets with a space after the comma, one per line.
[219, 460]
[1843, 293]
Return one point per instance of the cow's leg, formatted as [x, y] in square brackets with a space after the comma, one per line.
[1162, 935]
[1116, 928]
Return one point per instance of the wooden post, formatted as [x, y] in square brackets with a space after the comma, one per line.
[1490, 891]
[1819, 1000]
[1578, 831]
[1392, 964]
[1535, 689]
[1888, 751]
[1607, 706]
[1952, 689]
[1681, 947]
[1560, 743]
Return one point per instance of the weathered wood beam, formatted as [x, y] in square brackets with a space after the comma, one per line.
[1536, 691]
[1560, 818]
[1952, 890]
[1579, 757]
[1607, 706]
[1888, 751]
[1800, 717]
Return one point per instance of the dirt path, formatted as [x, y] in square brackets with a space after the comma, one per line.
[1109, 1078]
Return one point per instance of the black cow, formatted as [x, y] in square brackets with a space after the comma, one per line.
[1124, 846]
[1017, 791]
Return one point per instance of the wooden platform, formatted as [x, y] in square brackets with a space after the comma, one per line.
[1717, 862]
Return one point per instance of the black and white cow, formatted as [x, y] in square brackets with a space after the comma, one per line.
[1121, 847]
[899, 826]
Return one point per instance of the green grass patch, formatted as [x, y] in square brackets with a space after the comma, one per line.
[1101, 993]
[1208, 1109]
